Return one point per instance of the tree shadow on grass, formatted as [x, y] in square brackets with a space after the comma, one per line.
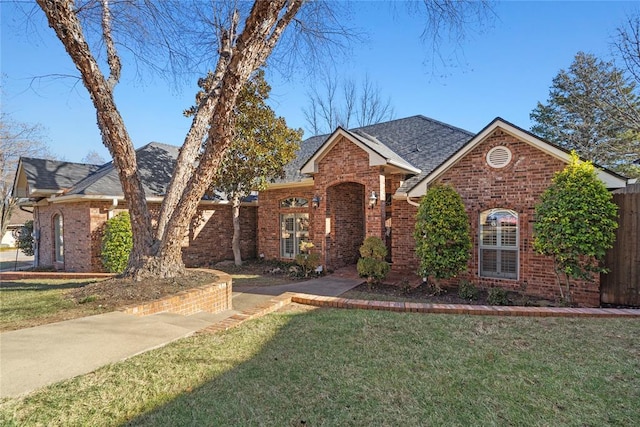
[30, 286]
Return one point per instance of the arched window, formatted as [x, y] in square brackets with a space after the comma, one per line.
[294, 202]
[499, 244]
[58, 238]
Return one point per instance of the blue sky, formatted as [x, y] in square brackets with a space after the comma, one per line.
[502, 71]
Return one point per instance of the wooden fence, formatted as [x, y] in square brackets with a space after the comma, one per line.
[621, 286]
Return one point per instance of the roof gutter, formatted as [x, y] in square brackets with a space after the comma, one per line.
[405, 196]
[404, 166]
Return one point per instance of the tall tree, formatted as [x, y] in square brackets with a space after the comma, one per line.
[16, 140]
[345, 104]
[581, 113]
[263, 144]
[245, 35]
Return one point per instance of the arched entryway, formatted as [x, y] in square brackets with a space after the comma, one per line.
[346, 215]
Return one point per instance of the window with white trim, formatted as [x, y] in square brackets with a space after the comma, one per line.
[499, 244]
[58, 239]
[294, 229]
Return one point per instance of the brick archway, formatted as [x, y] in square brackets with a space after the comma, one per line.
[346, 212]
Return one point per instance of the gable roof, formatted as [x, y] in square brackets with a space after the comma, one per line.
[415, 144]
[156, 162]
[66, 181]
[44, 178]
[419, 188]
[379, 154]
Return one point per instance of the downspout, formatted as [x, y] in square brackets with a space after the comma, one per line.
[110, 209]
[412, 203]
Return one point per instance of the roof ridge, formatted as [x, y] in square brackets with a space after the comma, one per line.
[444, 124]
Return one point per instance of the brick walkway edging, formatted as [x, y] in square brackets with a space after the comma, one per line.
[278, 302]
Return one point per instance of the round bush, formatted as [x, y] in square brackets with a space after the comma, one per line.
[25, 238]
[372, 265]
[117, 242]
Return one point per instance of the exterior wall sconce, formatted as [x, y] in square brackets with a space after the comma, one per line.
[372, 200]
[315, 202]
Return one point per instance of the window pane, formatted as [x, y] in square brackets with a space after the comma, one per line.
[489, 236]
[488, 260]
[294, 230]
[508, 236]
[499, 230]
[509, 263]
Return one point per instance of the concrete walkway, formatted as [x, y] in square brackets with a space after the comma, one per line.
[35, 357]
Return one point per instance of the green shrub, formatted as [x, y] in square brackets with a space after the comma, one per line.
[372, 265]
[443, 239]
[117, 242]
[575, 224]
[25, 238]
[497, 296]
[468, 291]
[308, 261]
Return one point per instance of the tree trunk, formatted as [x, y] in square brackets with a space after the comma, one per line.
[63, 20]
[160, 255]
[235, 241]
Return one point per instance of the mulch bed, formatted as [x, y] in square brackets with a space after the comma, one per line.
[120, 292]
[428, 294]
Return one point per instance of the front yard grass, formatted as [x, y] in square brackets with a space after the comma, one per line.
[26, 303]
[353, 368]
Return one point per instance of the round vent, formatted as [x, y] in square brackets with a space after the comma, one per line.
[498, 157]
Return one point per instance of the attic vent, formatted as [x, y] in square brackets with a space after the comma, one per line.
[498, 157]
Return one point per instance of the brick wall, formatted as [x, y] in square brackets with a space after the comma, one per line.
[344, 182]
[346, 212]
[210, 235]
[80, 220]
[517, 187]
[348, 163]
[211, 298]
[269, 212]
[208, 242]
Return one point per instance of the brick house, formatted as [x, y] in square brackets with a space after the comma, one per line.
[341, 188]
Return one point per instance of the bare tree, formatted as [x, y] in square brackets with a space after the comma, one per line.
[16, 140]
[330, 107]
[93, 158]
[95, 32]
[626, 51]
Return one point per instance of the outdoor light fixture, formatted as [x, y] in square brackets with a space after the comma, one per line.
[315, 202]
[372, 199]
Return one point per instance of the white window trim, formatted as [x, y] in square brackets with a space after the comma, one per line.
[515, 249]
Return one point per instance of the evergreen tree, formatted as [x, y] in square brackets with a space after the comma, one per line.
[583, 114]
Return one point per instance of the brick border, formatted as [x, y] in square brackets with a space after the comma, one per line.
[278, 302]
[486, 310]
[213, 297]
[22, 275]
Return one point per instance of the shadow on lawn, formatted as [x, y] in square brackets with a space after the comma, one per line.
[341, 367]
[30, 286]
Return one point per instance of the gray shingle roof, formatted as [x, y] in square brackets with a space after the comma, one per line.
[156, 162]
[53, 176]
[419, 141]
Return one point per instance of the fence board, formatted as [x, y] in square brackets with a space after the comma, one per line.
[621, 286]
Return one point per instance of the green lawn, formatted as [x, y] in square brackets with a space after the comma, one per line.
[359, 368]
[25, 303]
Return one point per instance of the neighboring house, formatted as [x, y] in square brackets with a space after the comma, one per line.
[341, 188]
[17, 220]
